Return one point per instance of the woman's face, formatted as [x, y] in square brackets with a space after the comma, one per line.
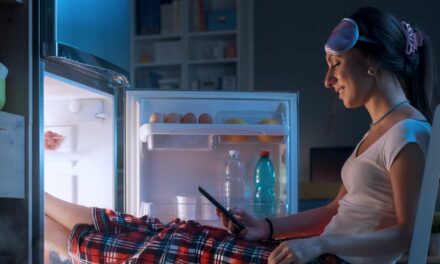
[347, 75]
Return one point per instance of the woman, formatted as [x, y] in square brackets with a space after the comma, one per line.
[374, 61]
[382, 64]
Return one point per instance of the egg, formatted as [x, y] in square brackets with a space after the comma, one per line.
[189, 118]
[156, 118]
[205, 118]
[172, 118]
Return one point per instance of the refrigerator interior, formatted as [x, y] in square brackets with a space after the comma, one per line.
[81, 170]
[168, 161]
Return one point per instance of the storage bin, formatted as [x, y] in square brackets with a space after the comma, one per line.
[224, 19]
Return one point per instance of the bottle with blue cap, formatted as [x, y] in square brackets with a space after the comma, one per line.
[264, 182]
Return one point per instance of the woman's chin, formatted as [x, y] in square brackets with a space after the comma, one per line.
[348, 104]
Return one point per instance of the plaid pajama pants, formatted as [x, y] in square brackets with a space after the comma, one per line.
[122, 238]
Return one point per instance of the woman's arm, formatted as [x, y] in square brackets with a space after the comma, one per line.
[304, 224]
[406, 175]
[307, 223]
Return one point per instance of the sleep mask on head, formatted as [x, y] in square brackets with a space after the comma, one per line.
[344, 37]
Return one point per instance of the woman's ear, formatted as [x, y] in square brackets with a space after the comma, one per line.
[373, 68]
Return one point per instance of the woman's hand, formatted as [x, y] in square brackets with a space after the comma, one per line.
[255, 229]
[297, 251]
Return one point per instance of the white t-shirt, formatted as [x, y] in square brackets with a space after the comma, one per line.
[366, 177]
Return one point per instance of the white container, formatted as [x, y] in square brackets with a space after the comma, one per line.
[170, 51]
[187, 207]
[145, 209]
[206, 210]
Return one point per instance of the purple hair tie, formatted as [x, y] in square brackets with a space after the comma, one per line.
[414, 39]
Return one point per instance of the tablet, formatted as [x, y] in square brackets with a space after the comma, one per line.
[230, 216]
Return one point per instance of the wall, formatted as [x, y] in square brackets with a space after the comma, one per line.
[289, 55]
[99, 27]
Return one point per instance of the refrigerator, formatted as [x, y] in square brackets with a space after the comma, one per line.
[166, 160]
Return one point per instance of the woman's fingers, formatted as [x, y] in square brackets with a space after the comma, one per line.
[281, 255]
[222, 218]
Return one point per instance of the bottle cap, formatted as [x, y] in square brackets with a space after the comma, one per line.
[264, 153]
[234, 152]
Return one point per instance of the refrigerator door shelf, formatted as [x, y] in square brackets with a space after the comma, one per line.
[203, 136]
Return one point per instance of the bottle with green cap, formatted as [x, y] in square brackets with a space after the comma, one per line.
[264, 182]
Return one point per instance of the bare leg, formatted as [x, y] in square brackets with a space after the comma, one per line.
[56, 235]
[65, 213]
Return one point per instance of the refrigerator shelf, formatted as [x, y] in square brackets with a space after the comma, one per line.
[205, 136]
[195, 208]
[212, 129]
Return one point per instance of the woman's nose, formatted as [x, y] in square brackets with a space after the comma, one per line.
[329, 80]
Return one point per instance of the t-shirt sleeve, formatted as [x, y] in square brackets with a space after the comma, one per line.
[400, 137]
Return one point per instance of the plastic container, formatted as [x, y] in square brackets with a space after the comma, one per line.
[265, 119]
[250, 117]
[233, 191]
[264, 182]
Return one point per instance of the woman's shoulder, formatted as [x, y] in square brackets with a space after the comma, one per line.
[407, 131]
[411, 125]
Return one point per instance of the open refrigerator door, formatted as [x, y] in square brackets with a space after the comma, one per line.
[81, 108]
[172, 148]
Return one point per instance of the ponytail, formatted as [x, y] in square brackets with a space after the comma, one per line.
[419, 79]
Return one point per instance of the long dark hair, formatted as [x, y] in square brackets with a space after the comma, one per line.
[415, 71]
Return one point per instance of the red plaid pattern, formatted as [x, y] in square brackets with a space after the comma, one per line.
[123, 238]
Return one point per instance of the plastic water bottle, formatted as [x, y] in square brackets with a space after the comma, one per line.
[234, 183]
[264, 180]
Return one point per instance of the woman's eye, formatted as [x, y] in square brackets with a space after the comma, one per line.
[335, 64]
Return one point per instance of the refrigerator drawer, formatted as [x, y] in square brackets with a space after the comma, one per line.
[206, 136]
